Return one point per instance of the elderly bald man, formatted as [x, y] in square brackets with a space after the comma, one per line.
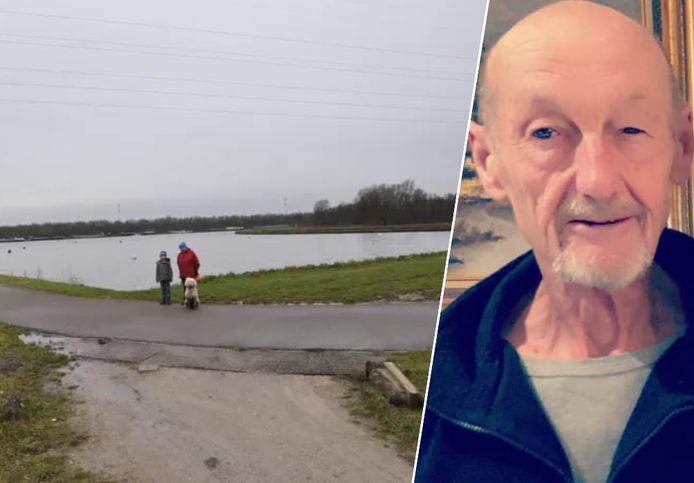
[574, 361]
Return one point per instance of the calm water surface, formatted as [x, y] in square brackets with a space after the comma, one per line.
[128, 262]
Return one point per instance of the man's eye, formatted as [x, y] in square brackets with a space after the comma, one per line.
[543, 133]
[632, 130]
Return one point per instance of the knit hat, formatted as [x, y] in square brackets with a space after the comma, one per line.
[162, 254]
[182, 245]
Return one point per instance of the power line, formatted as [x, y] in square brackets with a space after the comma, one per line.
[229, 111]
[224, 96]
[228, 33]
[226, 59]
[227, 53]
[34, 101]
[224, 82]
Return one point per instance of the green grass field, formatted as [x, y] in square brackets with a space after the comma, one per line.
[36, 446]
[351, 282]
[399, 425]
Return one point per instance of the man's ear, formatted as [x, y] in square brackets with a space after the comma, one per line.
[485, 164]
[684, 148]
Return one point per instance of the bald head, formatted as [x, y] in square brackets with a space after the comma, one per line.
[579, 34]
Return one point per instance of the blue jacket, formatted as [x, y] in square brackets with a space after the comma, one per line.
[483, 422]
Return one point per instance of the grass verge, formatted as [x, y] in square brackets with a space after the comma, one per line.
[316, 230]
[398, 425]
[36, 446]
[350, 282]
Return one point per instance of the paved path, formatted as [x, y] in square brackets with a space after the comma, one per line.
[179, 425]
[341, 327]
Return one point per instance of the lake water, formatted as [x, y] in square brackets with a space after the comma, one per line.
[128, 262]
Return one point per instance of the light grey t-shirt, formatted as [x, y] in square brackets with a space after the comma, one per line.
[589, 402]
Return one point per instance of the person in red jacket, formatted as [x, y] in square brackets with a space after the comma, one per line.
[188, 263]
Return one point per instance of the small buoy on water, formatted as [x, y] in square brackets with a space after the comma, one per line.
[9, 250]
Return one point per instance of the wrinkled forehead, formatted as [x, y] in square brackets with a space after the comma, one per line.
[599, 72]
[576, 54]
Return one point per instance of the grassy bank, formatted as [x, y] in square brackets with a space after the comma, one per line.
[398, 425]
[314, 230]
[35, 447]
[351, 282]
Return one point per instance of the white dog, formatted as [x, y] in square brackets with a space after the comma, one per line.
[192, 300]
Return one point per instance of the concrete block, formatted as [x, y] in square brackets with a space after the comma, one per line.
[396, 387]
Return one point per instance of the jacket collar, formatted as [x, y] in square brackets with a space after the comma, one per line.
[477, 377]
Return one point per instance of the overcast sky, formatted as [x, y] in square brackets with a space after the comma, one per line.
[181, 108]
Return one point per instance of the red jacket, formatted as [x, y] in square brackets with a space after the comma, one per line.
[188, 263]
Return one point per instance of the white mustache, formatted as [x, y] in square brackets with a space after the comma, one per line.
[582, 208]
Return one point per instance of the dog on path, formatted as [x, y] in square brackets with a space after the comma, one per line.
[191, 298]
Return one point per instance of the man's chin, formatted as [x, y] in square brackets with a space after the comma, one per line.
[602, 271]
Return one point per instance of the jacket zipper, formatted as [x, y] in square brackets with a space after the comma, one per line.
[480, 429]
[645, 440]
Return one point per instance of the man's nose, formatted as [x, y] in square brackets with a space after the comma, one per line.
[597, 173]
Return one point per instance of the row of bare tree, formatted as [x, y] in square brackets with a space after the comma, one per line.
[387, 204]
[397, 204]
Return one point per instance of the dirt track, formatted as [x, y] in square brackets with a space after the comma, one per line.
[180, 425]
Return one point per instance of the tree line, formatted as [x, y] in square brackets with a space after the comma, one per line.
[397, 204]
[384, 204]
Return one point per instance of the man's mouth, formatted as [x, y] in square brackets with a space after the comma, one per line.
[605, 222]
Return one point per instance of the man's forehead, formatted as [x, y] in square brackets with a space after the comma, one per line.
[561, 103]
[582, 42]
[550, 82]
[539, 56]
[546, 98]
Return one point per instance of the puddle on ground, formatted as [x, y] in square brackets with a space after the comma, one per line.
[100, 379]
[43, 340]
[60, 344]
[68, 346]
